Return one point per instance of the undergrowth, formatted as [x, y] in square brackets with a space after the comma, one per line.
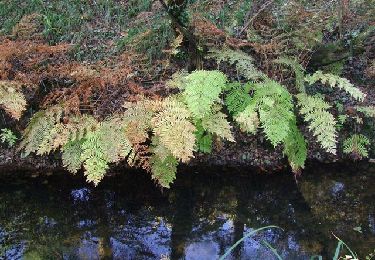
[141, 107]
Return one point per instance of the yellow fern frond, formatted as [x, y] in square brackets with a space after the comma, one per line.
[11, 98]
[174, 129]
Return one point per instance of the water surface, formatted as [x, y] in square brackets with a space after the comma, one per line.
[205, 212]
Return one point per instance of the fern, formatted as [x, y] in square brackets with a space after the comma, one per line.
[163, 164]
[298, 70]
[248, 119]
[295, 148]
[174, 129]
[237, 97]
[218, 124]
[275, 110]
[137, 119]
[107, 144]
[11, 99]
[94, 159]
[244, 63]
[178, 80]
[357, 144]
[274, 105]
[7, 136]
[321, 121]
[71, 155]
[164, 170]
[42, 123]
[368, 111]
[60, 134]
[336, 81]
[202, 90]
[203, 138]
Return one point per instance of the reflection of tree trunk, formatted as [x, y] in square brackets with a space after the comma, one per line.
[104, 230]
[238, 222]
[182, 221]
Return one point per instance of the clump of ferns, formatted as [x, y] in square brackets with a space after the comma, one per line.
[166, 126]
[158, 134]
[267, 104]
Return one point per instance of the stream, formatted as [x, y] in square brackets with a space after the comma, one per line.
[60, 216]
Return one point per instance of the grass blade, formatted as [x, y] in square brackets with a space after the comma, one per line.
[242, 239]
[272, 249]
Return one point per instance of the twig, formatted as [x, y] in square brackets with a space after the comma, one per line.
[246, 25]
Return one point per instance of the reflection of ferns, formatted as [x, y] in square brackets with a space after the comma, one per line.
[244, 62]
[357, 144]
[11, 99]
[336, 81]
[321, 121]
[298, 70]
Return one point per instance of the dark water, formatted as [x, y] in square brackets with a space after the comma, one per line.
[126, 217]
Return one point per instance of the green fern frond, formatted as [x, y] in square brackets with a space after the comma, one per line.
[164, 170]
[71, 156]
[202, 90]
[321, 121]
[7, 136]
[244, 63]
[295, 148]
[298, 70]
[94, 159]
[275, 108]
[163, 164]
[174, 129]
[237, 97]
[39, 126]
[357, 144]
[218, 124]
[203, 138]
[368, 111]
[11, 98]
[336, 81]
[107, 144]
[273, 103]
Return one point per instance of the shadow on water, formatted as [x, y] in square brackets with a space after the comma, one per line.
[205, 212]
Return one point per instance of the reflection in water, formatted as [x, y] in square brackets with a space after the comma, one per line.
[126, 217]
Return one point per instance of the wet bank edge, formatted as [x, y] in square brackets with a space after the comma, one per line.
[256, 159]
